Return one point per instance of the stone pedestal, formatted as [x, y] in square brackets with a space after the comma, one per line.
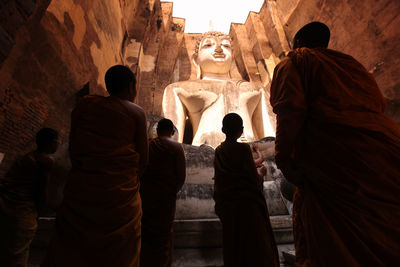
[196, 224]
[195, 200]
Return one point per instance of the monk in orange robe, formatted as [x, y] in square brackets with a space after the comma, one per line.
[23, 196]
[335, 143]
[239, 202]
[160, 183]
[98, 223]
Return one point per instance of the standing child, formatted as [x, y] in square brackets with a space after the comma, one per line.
[163, 178]
[23, 196]
[239, 202]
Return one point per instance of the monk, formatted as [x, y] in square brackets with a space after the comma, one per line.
[160, 183]
[335, 143]
[23, 196]
[98, 223]
[239, 202]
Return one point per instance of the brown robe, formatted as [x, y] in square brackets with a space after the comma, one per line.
[240, 204]
[98, 223]
[159, 185]
[334, 141]
[19, 210]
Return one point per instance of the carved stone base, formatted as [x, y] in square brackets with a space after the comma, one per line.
[195, 200]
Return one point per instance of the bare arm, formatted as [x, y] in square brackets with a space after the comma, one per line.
[260, 158]
[256, 176]
[141, 140]
[180, 167]
[45, 166]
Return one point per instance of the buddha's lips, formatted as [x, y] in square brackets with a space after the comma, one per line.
[219, 55]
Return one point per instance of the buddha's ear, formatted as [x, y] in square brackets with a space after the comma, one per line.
[197, 66]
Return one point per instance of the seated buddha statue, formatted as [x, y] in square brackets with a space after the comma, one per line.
[203, 103]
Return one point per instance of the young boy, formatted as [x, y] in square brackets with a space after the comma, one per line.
[239, 202]
[23, 196]
[163, 178]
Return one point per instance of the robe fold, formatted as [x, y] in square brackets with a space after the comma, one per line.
[334, 141]
[160, 184]
[98, 223]
[240, 204]
[18, 210]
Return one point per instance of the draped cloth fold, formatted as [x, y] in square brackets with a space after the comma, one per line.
[332, 129]
[159, 187]
[98, 223]
[239, 203]
[18, 210]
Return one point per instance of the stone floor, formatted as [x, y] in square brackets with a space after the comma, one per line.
[197, 242]
[204, 257]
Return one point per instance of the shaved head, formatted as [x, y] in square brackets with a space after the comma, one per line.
[165, 126]
[231, 124]
[118, 78]
[312, 35]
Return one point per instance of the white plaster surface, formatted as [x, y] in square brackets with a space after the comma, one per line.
[146, 62]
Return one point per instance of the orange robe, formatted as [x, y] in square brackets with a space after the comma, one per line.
[98, 223]
[334, 141]
[240, 204]
[159, 187]
[18, 210]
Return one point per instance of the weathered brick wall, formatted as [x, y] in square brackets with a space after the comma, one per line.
[48, 51]
[13, 15]
[367, 30]
[157, 57]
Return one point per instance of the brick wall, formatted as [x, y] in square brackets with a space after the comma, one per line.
[48, 51]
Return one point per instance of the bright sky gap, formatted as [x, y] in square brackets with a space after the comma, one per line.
[204, 15]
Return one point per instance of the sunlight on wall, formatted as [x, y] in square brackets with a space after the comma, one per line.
[205, 15]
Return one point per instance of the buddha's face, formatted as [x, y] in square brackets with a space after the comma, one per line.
[214, 55]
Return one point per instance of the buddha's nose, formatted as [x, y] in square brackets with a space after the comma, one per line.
[218, 49]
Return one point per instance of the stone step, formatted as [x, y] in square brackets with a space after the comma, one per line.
[198, 233]
[197, 242]
[188, 233]
[212, 257]
[195, 201]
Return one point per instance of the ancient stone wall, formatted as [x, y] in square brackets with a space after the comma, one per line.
[53, 52]
[157, 56]
[367, 30]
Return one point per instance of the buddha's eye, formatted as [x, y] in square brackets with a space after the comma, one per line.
[226, 44]
[207, 44]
